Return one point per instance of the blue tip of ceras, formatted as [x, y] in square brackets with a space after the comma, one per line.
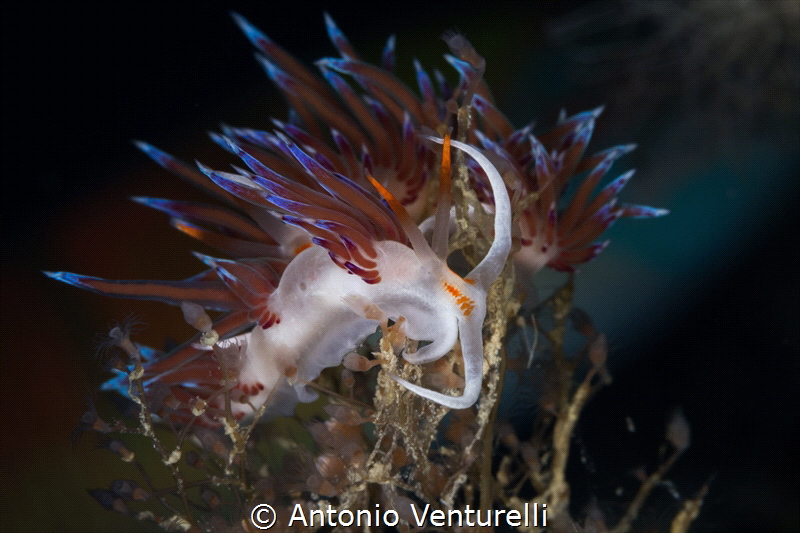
[480, 103]
[216, 264]
[486, 143]
[159, 156]
[583, 116]
[206, 259]
[424, 81]
[441, 81]
[344, 65]
[580, 122]
[161, 204]
[76, 280]
[336, 81]
[625, 148]
[278, 76]
[67, 277]
[259, 138]
[644, 211]
[615, 186]
[233, 147]
[583, 136]
[208, 171]
[335, 34]
[520, 134]
[119, 383]
[256, 36]
[223, 141]
[226, 183]
[464, 68]
[387, 57]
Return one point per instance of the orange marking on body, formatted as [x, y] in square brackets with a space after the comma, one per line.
[301, 248]
[470, 281]
[464, 302]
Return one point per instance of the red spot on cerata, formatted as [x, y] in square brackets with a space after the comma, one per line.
[269, 319]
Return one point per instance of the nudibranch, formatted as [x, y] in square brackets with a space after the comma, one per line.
[323, 242]
[557, 229]
[367, 262]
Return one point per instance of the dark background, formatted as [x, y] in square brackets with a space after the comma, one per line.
[701, 306]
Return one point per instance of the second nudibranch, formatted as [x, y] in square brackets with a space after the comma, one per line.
[320, 311]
